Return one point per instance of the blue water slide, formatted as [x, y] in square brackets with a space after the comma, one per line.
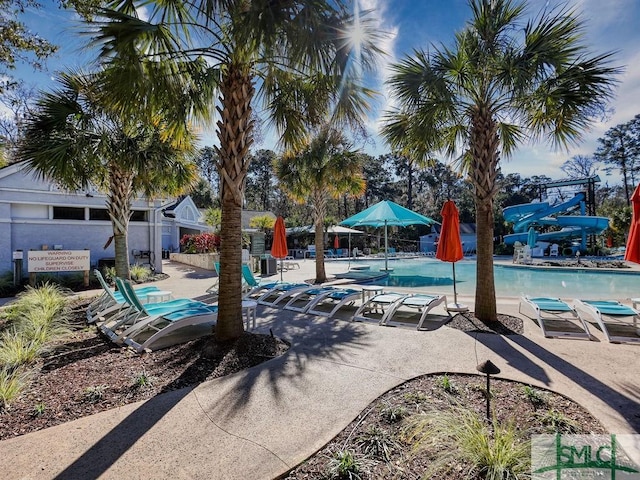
[525, 214]
[572, 226]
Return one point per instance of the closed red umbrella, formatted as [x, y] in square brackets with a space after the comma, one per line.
[632, 252]
[279, 248]
[336, 242]
[450, 246]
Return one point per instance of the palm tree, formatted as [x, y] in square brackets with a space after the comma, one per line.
[505, 80]
[75, 139]
[325, 169]
[268, 43]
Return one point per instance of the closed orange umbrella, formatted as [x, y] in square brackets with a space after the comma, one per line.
[336, 242]
[450, 245]
[632, 252]
[279, 248]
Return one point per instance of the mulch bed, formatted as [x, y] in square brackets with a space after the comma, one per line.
[388, 416]
[85, 374]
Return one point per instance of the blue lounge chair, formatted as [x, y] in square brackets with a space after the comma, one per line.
[138, 312]
[618, 322]
[111, 302]
[154, 321]
[555, 317]
[256, 287]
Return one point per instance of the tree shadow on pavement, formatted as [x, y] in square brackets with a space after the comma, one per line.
[625, 405]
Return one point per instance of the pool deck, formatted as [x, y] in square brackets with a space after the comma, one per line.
[259, 423]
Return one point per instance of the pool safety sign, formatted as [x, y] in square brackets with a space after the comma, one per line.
[41, 261]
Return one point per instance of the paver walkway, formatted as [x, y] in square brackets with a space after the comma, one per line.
[259, 423]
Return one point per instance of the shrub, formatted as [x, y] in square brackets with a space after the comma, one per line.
[377, 442]
[142, 380]
[201, 243]
[447, 385]
[109, 274]
[12, 383]
[557, 422]
[139, 273]
[460, 435]
[38, 409]
[393, 414]
[344, 465]
[16, 349]
[534, 396]
[94, 393]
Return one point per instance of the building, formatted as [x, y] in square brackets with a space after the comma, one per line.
[38, 215]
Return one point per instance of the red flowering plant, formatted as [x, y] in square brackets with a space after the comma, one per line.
[201, 243]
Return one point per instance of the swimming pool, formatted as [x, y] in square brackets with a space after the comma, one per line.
[511, 281]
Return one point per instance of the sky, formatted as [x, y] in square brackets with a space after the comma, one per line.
[610, 25]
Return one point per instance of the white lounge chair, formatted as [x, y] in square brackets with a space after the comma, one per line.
[328, 304]
[280, 292]
[376, 307]
[555, 317]
[618, 322]
[301, 301]
[424, 303]
[155, 321]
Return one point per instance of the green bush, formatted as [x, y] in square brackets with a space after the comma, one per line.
[344, 465]
[12, 384]
[139, 273]
[16, 349]
[497, 453]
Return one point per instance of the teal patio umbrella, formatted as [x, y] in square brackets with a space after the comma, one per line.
[385, 214]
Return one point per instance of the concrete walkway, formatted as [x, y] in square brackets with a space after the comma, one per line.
[261, 422]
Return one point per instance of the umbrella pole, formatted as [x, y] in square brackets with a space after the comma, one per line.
[455, 294]
[386, 247]
[349, 268]
[282, 268]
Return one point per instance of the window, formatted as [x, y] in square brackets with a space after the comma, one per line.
[68, 213]
[98, 214]
[139, 216]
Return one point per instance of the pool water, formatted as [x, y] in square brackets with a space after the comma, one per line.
[511, 281]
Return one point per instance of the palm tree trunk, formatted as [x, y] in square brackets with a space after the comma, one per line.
[484, 143]
[235, 134]
[119, 209]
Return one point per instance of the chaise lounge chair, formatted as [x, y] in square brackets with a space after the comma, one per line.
[154, 321]
[301, 301]
[255, 287]
[618, 322]
[329, 303]
[280, 292]
[377, 306]
[136, 311]
[555, 317]
[424, 303]
[111, 302]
